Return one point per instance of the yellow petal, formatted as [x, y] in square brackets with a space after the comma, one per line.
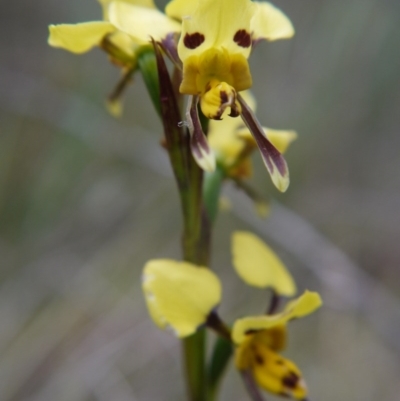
[281, 139]
[141, 23]
[125, 43]
[258, 265]
[217, 24]
[270, 23]
[276, 374]
[180, 9]
[304, 305]
[180, 295]
[143, 3]
[215, 65]
[79, 38]
[274, 339]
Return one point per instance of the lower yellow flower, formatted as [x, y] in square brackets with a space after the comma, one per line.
[260, 338]
[180, 295]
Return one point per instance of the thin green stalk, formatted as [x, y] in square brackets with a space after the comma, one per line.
[196, 232]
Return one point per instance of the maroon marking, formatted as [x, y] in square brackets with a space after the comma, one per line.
[259, 359]
[224, 97]
[193, 40]
[242, 38]
[291, 380]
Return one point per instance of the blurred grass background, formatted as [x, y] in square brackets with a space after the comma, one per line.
[86, 200]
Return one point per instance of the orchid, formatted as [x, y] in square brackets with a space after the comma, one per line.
[122, 48]
[215, 43]
[258, 340]
[184, 297]
[208, 44]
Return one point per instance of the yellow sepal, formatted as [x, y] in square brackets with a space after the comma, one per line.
[79, 38]
[180, 295]
[141, 23]
[217, 24]
[302, 306]
[258, 265]
[180, 9]
[270, 23]
[142, 3]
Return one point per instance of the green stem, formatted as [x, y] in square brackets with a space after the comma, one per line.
[147, 64]
[212, 189]
[189, 177]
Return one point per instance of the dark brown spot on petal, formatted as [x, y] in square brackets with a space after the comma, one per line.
[259, 359]
[193, 40]
[242, 38]
[224, 97]
[279, 362]
[291, 380]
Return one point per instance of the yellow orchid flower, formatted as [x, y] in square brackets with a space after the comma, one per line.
[258, 265]
[258, 340]
[122, 47]
[216, 41]
[233, 143]
[180, 295]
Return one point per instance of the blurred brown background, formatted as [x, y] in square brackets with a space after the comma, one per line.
[86, 200]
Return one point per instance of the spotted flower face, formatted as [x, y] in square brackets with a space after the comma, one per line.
[215, 44]
[258, 340]
[216, 40]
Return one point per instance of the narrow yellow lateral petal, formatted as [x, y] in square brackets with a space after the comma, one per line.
[180, 295]
[258, 265]
[302, 306]
[217, 24]
[270, 23]
[141, 23]
[79, 38]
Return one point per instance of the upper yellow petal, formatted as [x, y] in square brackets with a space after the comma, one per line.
[217, 24]
[143, 3]
[270, 23]
[179, 9]
[302, 306]
[258, 265]
[180, 295]
[141, 23]
[79, 38]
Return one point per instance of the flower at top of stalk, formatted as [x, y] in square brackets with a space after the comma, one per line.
[180, 295]
[258, 340]
[215, 43]
[233, 143]
[122, 48]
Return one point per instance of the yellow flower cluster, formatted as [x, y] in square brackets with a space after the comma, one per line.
[216, 39]
[181, 296]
